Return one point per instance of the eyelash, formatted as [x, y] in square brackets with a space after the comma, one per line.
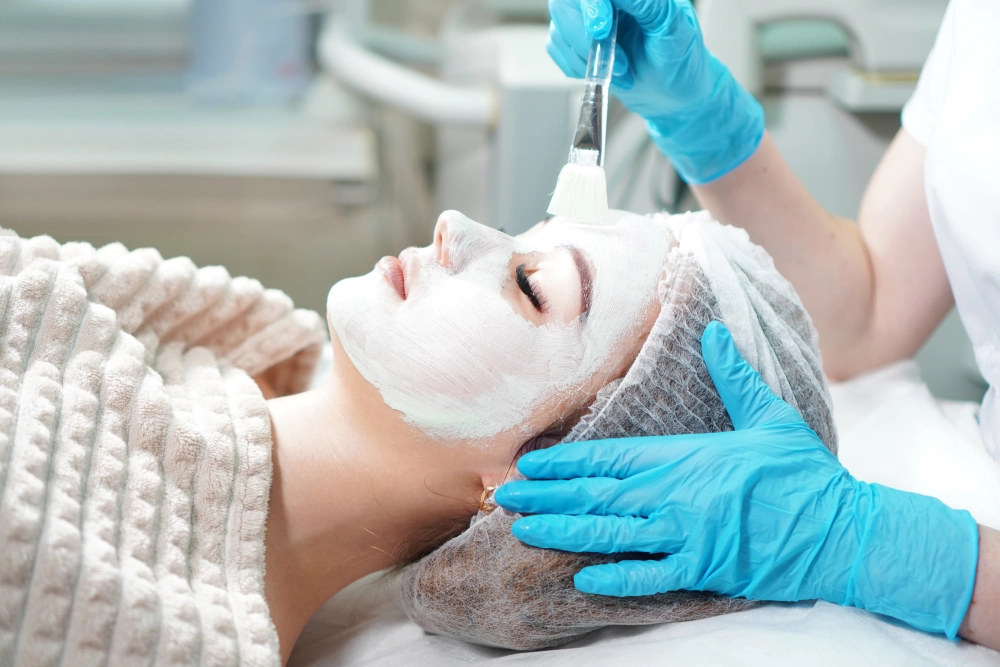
[536, 298]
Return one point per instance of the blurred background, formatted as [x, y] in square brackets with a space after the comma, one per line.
[297, 141]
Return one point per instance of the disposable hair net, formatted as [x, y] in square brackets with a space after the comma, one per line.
[487, 587]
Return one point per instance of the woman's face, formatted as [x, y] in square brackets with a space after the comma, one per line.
[481, 333]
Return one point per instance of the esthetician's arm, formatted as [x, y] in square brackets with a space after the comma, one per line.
[875, 289]
[982, 620]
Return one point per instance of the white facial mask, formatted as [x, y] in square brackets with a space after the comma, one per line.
[456, 358]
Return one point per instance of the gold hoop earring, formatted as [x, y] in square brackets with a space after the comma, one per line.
[484, 506]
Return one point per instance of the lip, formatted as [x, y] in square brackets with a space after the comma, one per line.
[392, 271]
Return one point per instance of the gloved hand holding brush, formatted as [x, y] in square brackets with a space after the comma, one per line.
[697, 113]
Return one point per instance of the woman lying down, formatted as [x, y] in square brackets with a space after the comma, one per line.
[154, 508]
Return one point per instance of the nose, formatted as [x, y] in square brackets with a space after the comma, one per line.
[442, 241]
[457, 240]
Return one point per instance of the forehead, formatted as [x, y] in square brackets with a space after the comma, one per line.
[620, 234]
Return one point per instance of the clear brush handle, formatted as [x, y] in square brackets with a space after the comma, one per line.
[588, 142]
[601, 60]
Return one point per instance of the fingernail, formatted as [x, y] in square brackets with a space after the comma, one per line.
[503, 496]
[589, 582]
[528, 464]
[598, 24]
[598, 27]
[715, 331]
[620, 68]
[522, 529]
[623, 81]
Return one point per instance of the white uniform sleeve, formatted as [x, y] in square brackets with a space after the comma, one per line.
[922, 111]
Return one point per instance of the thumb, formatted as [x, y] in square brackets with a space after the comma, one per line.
[630, 578]
[748, 400]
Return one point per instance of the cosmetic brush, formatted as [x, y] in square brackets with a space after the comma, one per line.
[582, 188]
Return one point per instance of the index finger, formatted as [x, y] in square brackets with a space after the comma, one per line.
[618, 458]
[597, 17]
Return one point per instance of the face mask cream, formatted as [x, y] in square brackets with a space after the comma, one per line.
[457, 359]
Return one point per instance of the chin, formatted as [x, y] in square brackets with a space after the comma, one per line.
[347, 297]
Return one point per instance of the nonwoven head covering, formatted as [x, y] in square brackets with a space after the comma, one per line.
[487, 587]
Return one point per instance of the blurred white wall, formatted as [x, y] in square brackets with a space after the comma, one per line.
[99, 143]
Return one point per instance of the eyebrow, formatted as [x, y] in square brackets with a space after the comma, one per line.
[586, 279]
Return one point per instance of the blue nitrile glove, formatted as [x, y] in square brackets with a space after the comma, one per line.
[698, 115]
[764, 512]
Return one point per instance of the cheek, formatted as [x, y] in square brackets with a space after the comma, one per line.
[624, 354]
[482, 344]
[617, 364]
[457, 319]
[456, 360]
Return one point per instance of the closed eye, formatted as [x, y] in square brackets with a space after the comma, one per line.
[536, 298]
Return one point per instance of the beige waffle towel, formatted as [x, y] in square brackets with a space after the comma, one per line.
[135, 455]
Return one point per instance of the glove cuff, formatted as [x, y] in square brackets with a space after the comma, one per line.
[916, 559]
[715, 136]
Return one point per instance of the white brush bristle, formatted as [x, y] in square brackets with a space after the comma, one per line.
[581, 192]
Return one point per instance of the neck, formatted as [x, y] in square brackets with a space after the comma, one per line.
[355, 490]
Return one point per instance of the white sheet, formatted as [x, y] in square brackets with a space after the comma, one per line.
[892, 431]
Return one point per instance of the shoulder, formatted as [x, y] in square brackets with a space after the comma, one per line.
[969, 31]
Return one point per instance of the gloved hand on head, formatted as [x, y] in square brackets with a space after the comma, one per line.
[697, 113]
[765, 512]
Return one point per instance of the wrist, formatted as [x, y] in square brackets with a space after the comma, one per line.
[713, 136]
[916, 559]
[982, 620]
